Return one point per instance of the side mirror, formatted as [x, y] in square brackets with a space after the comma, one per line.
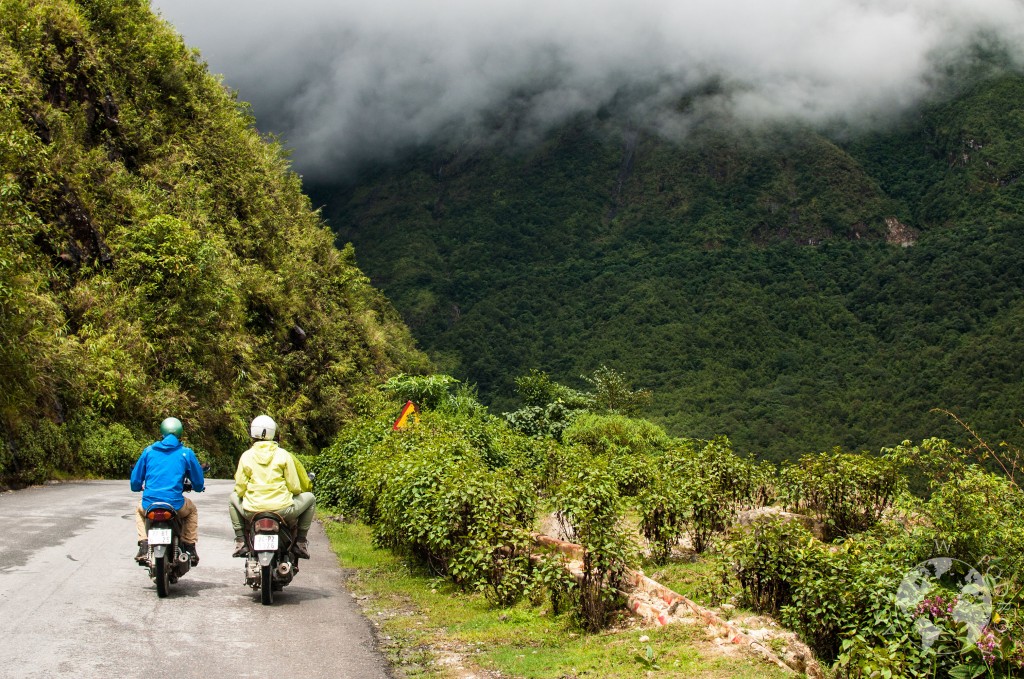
[205, 466]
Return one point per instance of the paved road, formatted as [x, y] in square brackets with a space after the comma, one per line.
[73, 603]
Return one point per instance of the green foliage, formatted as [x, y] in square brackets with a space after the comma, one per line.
[848, 492]
[427, 391]
[766, 561]
[747, 277]
[664, 511]
[109, 451]
[440, 490]
[613, 393]
[842, 598]
[589, 507]
[537, 389]
[158, 256]
[715, 483]
[615, 435]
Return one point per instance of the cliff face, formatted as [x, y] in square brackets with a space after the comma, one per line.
[159, 258]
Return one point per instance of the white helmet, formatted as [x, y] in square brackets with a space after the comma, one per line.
[263, 427]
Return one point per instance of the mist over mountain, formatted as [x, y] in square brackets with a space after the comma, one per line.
[346, 83]
[797, 223]
[791, 290]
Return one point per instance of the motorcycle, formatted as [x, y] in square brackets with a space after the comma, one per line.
[167, 561]
[270, 563]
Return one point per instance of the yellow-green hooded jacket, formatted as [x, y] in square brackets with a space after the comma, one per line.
[268, 476]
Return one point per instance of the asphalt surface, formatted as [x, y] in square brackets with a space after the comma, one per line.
[73, 603]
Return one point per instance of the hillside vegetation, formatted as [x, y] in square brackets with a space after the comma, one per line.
[158, 257]
[878, 582]
[789, 290]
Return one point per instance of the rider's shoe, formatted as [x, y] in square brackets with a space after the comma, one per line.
[240, 548]
[143, 556]
[190, 549]
[301, 548]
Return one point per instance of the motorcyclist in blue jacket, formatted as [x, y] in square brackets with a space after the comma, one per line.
[160, 474]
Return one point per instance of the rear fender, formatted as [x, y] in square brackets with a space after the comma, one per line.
[159, 551]
[265, 557]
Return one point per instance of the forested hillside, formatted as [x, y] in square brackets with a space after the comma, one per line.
[790, 290]
[158, 257]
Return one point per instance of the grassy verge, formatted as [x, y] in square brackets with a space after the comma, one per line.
[429, 628]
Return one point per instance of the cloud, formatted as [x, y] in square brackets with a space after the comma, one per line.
[346, 81]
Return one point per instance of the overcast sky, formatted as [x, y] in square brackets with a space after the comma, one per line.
[343, 81]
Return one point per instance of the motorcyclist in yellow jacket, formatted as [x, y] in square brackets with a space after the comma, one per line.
[270, 479]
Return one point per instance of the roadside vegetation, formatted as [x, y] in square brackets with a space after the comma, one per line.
[430, 627]
[826, 545]
[157, 256]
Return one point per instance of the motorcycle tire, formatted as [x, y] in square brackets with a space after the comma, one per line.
[267, 585]
[163, 576]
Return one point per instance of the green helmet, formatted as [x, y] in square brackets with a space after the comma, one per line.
[172, 425]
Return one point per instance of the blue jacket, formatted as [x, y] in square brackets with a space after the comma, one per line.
[162, 468]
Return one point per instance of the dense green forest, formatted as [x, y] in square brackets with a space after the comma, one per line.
[791, 290]
[158, 257]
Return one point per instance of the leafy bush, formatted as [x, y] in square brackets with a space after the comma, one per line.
[548, 407]
[715, 483]
[843, 598]
[444, 491]
[37, 452]
[766, 561]
[590, 510]
[664, 510]
[615, 435]
[109, 451]
[426, 391]
[849, 492]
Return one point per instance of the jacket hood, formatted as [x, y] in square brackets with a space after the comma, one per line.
[169, 444]
[263, 451]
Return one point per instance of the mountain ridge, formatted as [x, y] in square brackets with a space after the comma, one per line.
[550, 257]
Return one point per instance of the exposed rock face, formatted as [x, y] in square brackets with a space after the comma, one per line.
[899, 233]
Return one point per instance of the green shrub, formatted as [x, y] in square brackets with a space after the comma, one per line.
[590, 509]
[714, 483]
[426, 391]
[109, 451]
[849, 492]
[37, 452]
[664, 510]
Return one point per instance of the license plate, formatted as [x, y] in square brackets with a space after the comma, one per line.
[159, 536]
[264, 543]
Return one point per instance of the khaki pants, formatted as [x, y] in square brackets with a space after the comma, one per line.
[189, 522]
[300, 513]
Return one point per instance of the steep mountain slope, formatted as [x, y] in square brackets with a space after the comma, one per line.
[158, 257]
[791, 291]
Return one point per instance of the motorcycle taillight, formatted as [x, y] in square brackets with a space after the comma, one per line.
[266, 526]
[159, 515]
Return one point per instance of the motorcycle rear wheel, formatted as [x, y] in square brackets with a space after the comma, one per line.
[267, 585]
[163, 576]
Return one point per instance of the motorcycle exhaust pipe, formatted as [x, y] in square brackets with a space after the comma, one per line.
[284, 568]
[184, 558]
